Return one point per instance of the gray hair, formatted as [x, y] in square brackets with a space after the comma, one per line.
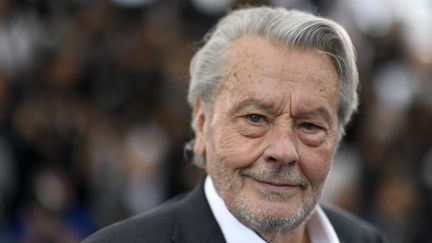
[291, 28]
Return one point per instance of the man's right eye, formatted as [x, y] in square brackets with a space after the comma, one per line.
[255, 118]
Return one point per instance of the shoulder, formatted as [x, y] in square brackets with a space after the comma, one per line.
[350, 228]
[186, 218]
[155, 225]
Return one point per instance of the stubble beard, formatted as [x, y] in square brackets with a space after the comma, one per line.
[261, 219]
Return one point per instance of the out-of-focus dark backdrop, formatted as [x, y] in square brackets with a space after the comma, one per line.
[93, 114]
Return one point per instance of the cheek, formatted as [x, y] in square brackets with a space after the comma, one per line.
[316, 163]
[225, 145]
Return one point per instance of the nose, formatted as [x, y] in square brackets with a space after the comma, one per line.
[281, 149]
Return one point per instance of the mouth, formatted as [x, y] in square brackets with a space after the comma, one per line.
[277, 186]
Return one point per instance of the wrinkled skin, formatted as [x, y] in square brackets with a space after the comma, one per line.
[270, 135]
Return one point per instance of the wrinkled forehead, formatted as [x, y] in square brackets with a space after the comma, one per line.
[254, 52]
[257, 59]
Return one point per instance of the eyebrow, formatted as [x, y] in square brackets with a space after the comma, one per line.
[261, 105]
[316, 112]
[304, 111]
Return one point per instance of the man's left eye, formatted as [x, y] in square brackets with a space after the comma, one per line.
[310, 127]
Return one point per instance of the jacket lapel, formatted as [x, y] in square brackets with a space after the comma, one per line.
[195, 222]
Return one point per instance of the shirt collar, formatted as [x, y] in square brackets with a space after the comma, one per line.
[319, 227]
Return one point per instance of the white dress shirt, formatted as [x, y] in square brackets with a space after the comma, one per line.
[319, 227]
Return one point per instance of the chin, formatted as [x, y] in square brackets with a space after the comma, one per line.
[273, 219]
[272, 216]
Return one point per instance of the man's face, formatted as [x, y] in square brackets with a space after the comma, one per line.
[271, 133]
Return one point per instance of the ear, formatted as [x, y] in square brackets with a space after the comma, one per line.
[199, 117]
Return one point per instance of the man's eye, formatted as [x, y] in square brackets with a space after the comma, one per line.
[255, 118]
[310, 127]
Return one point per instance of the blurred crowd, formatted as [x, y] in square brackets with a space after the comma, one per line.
[94, 118]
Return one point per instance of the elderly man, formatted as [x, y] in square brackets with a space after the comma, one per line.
[271, 92]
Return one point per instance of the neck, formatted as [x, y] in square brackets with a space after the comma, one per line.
[298, 235]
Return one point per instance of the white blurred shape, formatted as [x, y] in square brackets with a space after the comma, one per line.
[145, 149]
[20, 38]
[374, 17]
[395, 86]
[416, 19]
[50, 190]
[345, 172]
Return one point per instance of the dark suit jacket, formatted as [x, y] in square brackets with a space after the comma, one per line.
[189, 219]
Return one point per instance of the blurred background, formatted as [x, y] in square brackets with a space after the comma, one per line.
[93, 112]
